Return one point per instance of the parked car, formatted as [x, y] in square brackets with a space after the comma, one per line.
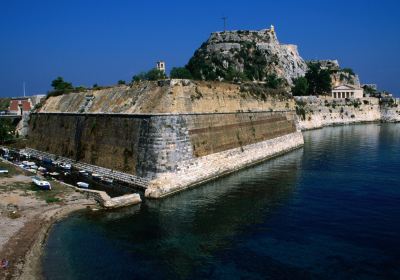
[44, 185]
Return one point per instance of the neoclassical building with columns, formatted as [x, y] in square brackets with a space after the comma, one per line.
[346, 91]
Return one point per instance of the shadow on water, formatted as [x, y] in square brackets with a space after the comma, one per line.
[325, 211]
[182, 231]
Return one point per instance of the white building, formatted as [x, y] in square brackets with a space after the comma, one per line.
[346, 91]
[160, 66]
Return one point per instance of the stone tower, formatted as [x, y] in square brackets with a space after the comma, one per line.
[161, 66]
[272, 28]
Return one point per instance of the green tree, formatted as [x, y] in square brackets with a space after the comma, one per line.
[60, 85]
[369, 89]
[6, 130]
[319, 80]
[152, 75]
[300, 86]
[139, 77]
[155, 74]
[121, 82]
[180, 73]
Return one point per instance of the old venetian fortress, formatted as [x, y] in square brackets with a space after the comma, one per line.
[177, 133]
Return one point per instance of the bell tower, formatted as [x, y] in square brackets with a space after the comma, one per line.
[160, 66]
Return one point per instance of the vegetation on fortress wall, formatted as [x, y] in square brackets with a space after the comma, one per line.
[263, 91]
[62, 87]
[151, 75]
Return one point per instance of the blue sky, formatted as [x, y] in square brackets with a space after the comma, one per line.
[99, 41]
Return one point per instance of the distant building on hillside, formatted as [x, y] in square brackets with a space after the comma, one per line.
[347, 91]
[160, 66]
[20, 105]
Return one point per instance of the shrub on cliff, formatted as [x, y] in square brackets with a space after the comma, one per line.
[60, 87]
[273, 81]
[155, 74]
[180, 73]
[300, 86]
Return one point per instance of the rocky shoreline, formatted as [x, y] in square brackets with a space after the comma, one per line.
[31, 266]
[26, 218]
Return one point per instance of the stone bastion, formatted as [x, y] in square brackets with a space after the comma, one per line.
[176, 134]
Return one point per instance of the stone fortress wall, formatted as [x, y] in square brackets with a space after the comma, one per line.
[172, 150]
[319, 112]
[146, 145]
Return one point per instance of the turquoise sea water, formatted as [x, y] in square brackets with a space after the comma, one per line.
[330, 210]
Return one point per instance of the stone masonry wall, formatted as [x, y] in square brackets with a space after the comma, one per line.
[149, 145]
[197, 171]
[212, 133]
[316, 112]
[101, 140]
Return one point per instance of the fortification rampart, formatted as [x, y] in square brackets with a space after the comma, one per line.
[191, 131]
[146, 145]
[316, 112]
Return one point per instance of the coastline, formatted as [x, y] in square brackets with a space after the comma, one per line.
[31, 265]
[27, 216]
[25, 247]
[346, 124]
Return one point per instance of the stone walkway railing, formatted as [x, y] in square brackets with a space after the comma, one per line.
[106, 172]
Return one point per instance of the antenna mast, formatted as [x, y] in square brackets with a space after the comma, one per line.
[24, 88]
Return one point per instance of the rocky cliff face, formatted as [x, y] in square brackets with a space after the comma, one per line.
[251, 55]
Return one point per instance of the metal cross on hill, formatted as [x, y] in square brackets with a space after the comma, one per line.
[224, 19]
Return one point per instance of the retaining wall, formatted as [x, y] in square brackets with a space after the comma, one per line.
[316, 112]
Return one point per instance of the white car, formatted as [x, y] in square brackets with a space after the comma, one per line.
[83, 185]
[44, 185]
[66, 166]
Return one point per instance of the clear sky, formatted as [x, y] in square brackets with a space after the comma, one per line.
[103, 41]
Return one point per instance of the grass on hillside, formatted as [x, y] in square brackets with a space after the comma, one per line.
[12, 170]
[56, 194]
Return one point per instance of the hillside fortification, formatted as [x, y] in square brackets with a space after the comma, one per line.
[246, 55]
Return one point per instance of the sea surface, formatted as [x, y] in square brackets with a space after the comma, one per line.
[330, 210]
